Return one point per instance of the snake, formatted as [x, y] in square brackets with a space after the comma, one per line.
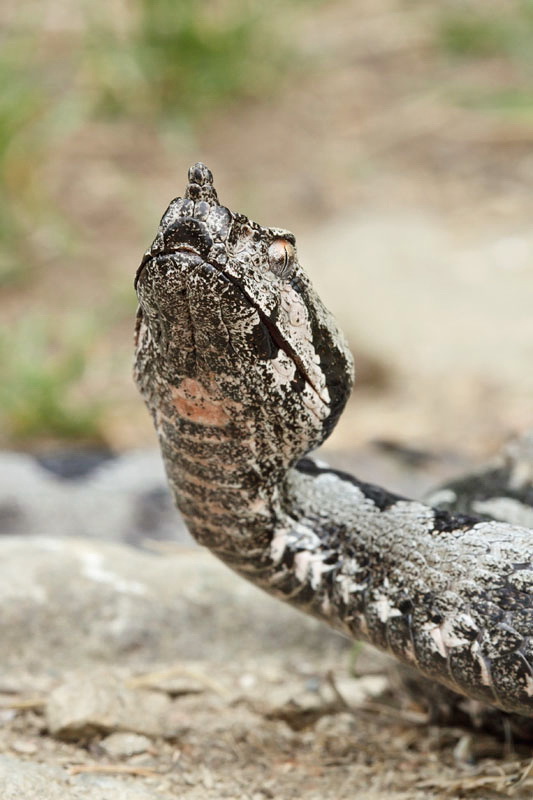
[245, 372]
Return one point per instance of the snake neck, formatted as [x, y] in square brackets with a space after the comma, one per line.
[227, 455]
[222, 501]
[412, 580]
[225, 479]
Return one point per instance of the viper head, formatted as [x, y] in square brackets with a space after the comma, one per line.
[224, 303]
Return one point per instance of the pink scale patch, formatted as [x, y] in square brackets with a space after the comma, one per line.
[194, 402]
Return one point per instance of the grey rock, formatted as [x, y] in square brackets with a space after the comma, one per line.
[69, 607]
[66, 603]
[407, 261]
[121, 499]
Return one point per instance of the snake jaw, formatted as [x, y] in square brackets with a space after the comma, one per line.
[209, 269]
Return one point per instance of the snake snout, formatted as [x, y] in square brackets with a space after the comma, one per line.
[200, 185]
[188, 232]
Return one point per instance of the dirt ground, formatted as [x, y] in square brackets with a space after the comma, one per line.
[272, 728]
[155, 676]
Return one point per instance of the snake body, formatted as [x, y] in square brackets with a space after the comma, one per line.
[244, 372]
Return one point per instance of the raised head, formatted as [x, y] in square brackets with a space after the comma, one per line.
[231, 332]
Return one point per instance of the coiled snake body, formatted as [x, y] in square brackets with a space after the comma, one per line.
[244, 372]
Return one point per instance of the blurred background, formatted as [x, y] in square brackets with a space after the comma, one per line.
[394, 137]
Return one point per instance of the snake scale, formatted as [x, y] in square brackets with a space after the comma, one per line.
[244, 372]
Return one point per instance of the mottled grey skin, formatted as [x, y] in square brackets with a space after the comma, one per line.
[501, 490]
[244, 372]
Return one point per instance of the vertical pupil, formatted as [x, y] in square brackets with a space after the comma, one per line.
[280, 255]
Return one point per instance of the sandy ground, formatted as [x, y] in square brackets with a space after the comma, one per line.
[154, 676]
[274, 728]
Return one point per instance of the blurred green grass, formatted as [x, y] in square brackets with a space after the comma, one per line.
[175, 60]
[165, 65]
[171, 60]
[492, 33]
[513, 102]
[182, 59]
[43, 392]
[21, 105]
[468, 31]
[36, 105]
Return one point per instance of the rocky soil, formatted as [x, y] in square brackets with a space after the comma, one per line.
[143, 669]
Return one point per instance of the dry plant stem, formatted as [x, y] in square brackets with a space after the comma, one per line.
[150, 680]
[110, 769]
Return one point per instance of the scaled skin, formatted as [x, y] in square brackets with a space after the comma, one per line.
[244, 371]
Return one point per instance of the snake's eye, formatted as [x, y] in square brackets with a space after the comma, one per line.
[281, 257]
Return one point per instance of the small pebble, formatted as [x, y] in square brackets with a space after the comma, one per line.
[247, 681]
[125, 744]
[25, 747]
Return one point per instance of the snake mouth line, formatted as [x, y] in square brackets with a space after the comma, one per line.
[279, 341]
[140, 269]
